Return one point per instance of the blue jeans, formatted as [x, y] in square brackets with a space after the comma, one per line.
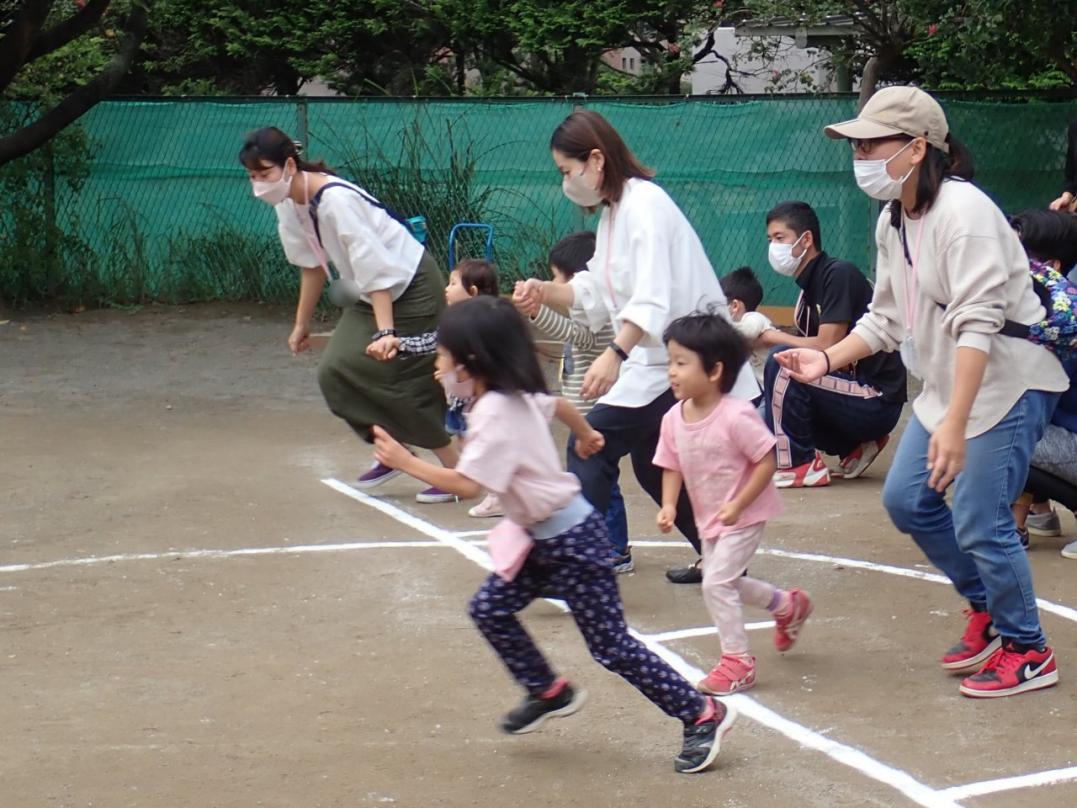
[835, 414]
[975, 543]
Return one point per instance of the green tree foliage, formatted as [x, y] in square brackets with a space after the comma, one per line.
[969, 44]
[58, 59]
[997, 44]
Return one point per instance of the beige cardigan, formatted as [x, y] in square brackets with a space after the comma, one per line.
[972, 263]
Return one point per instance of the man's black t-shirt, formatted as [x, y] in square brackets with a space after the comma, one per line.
[835, 291]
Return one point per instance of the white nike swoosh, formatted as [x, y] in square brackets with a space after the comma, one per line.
[1031, 673]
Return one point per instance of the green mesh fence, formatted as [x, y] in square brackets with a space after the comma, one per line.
[148, 201]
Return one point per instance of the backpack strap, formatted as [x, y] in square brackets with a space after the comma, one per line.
[316, 200]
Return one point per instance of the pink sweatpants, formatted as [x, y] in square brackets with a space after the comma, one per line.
[726, 587]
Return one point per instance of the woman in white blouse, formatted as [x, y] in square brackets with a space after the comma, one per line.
[394, 286]
[951, 274]
[649, 269]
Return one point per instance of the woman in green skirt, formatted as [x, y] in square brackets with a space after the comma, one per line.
[390, 285]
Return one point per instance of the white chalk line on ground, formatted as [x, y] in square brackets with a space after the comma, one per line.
[918, 792]
[704, 631]
[1046, 778]
[455, 540]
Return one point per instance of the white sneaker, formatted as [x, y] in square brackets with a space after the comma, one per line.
[1070, 550]
[488, 508]
[810, 475]
[861, 457]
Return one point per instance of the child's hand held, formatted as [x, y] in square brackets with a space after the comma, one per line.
[590, 444]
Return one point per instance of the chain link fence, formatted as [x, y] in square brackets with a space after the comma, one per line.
[144, 200]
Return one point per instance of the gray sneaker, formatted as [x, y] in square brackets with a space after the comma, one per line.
[1044, 524]
[703, 742]
[1070, 550]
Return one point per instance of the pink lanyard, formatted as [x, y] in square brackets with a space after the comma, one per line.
[609, 249]
[911, 263]
[312, 238]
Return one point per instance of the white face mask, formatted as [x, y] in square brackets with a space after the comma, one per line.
[875, 180]
[782, 259]
[273, 191]
[578, 191]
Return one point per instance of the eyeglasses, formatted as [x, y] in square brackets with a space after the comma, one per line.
[866, 147]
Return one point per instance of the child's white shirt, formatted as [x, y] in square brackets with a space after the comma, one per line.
[751, 326]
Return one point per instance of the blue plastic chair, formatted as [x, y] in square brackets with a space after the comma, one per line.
[489, 228]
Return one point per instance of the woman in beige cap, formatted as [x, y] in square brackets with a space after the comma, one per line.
[951, 272]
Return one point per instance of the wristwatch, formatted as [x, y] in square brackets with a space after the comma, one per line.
[385, 332]
[617, 349]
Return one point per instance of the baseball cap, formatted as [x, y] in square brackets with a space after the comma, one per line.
[897, 111]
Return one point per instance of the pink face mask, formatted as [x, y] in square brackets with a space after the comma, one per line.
[450, 380]
[273, 191]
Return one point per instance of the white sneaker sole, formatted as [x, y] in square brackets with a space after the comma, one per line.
[1048, 533]
[574, 706]
[427, 499]
[1040, 682]
[1070, 550]
[723, 730]
[474, 513]
[976, 661]
[736, 687]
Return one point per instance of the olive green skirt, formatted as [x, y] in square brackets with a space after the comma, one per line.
[400, 395]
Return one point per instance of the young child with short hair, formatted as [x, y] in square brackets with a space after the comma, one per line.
[582, 347]
[744, 294]
[717, 446]
[485, 350]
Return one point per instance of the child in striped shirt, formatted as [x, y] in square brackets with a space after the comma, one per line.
[582, 347]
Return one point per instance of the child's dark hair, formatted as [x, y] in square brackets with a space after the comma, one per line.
[714, 339]
[742, 284]
[571, 254]
[800, 217]
[271, 146]
[491, 340]
[480, 274]
[1048, 235]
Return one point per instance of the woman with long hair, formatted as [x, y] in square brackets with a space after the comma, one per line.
[649, 269]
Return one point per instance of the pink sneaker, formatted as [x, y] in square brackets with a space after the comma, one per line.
[810, 475]
[787, 625]
[732, 675]
[488, 508]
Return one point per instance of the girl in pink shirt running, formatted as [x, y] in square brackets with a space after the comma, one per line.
[719, 448]
[485, 350]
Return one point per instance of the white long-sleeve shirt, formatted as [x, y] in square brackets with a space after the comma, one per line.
[649, 269]
[972, 275]
[364, 243]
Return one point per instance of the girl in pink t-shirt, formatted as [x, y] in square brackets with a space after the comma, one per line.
[485, 350]
[718, 447]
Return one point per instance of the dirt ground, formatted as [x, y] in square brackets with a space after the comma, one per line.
[171, 676]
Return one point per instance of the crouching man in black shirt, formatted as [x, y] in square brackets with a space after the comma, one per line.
[851, 411]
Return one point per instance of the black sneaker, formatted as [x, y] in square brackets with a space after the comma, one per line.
[703, 742]
[1022, 534]
[686, 575]
[534, 710]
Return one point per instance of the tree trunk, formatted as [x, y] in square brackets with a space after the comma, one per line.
[872, 69]
[79, 102]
